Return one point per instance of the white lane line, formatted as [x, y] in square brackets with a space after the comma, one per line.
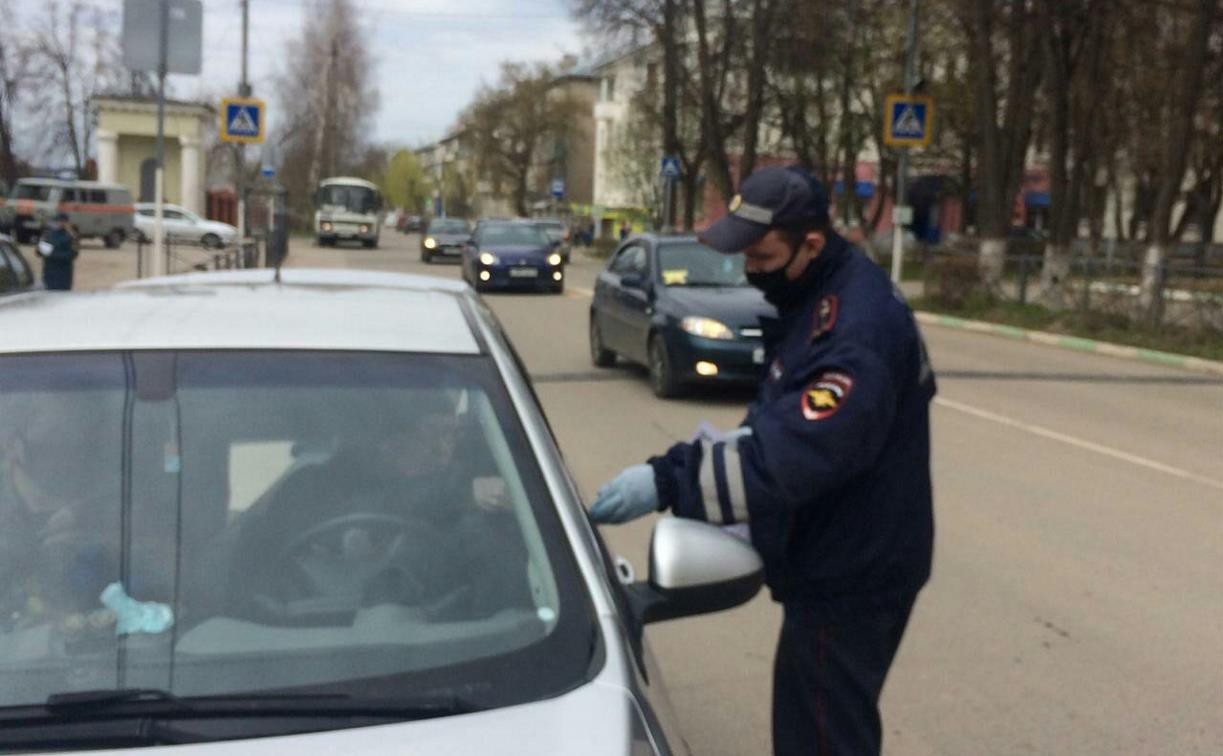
[577, 292]
[1107, 451]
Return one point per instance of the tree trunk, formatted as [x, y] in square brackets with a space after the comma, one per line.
[711, 123]
[689, 182]
[1175, 159]
[1055, 275]
[993, 259]
[670, 89]
[762, 22]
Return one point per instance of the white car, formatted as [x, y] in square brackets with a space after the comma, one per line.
[233, 520]
[182, 225]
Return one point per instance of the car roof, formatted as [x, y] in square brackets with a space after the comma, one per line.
[68, 183]
[308, 309]
[346, 181]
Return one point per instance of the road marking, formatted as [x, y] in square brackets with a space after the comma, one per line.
[577, 292]
[1107, 451]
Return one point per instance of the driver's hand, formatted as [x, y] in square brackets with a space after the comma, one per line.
[490, 494]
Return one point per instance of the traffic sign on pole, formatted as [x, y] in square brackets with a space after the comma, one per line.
[242, 120]
[908, 120]
[670, 167]
[558, 188]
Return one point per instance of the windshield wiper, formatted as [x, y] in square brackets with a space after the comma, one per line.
[151, 701]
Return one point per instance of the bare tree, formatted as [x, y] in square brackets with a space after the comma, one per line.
[1185, 35]
[327, 95]
[508, 124]
[75, 57]
[14, 68]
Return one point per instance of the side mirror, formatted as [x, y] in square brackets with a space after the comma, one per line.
[632, 281]
[695, 568]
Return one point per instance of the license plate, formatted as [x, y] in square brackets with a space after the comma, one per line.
[523, 272]
[758, 355]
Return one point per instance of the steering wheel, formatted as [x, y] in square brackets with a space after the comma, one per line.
[339, 557]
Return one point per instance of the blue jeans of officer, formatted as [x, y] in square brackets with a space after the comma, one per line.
[828, 674]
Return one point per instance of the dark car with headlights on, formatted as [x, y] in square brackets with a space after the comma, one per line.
[444, 237]
[682, 309]
[512, 255]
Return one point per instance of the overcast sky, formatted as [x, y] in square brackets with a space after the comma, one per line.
[429, 55]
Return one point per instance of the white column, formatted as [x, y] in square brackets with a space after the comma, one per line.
[190, 190]
[108, 156]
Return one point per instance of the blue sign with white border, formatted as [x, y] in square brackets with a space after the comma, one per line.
[670, 167]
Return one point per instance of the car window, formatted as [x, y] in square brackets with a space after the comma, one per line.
[147, 212]
[39, 192]
[308, 521]
[97, 196]
[516, 234]
[23, 275]
[630, 260]
[8, 277]
[448, 226]
[172, 214]
[694, 264]
[67, 195]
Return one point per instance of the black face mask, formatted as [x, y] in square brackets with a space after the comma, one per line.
[777, 288]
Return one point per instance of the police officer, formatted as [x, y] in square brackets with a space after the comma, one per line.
[58, 249]
[830, 470]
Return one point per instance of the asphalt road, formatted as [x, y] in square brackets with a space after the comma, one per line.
[1077, 598]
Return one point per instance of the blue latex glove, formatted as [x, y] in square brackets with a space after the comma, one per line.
[132, 616]
[629, 495]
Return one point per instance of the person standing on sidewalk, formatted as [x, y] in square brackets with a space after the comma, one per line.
[58, 249]
[830, 470]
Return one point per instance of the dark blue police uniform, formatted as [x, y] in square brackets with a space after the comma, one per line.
[834, 479]
[57, 264]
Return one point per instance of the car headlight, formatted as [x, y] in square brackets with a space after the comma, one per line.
[364, 229]
[430, 243]
[554, 259]
[706, 328]
[488, 258]
[325, 226]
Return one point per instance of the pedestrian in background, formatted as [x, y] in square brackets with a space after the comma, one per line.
[625, 230]
[58, 249]
[830, 470]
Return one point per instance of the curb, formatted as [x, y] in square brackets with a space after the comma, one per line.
[1165, 359]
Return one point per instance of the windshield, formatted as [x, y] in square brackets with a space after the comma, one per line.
[554, 231]
[693, 264]
[448, 226]
[510, 235]
[215, 523]
[39, 192]
[356, 199]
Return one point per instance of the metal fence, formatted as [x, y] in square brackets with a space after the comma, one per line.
[1104, 280]
[186, 257]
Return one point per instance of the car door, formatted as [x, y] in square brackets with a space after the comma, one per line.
[608, 304]
[177, 226]
[638, 304]
[8, 274]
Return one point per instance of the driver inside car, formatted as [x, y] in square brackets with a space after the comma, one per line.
[53, 505]
[396, 517]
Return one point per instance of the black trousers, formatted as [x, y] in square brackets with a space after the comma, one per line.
[57, 275]
[827, 677]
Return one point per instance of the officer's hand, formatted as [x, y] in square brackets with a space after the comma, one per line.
[629, 495]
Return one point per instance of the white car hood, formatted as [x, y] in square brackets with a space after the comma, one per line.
[597, 719]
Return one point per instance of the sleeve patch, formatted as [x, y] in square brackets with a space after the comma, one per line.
[825, 395]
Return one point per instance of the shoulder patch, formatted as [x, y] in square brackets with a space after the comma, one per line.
[825, 316]
[825, 395]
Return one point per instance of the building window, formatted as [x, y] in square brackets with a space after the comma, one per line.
[609, 89]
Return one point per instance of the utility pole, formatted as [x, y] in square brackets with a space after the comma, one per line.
[899, 209]
[244, 90]
[158, 263]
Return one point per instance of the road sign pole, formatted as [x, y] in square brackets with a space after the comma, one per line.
[158, 263]
[244, 90]
[902, 168]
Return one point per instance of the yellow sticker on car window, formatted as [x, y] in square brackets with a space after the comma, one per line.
[674, 277]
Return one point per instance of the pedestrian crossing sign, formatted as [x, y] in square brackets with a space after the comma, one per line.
[907, 120]
[242, 120]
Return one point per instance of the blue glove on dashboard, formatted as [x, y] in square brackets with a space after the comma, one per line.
[629, 495]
